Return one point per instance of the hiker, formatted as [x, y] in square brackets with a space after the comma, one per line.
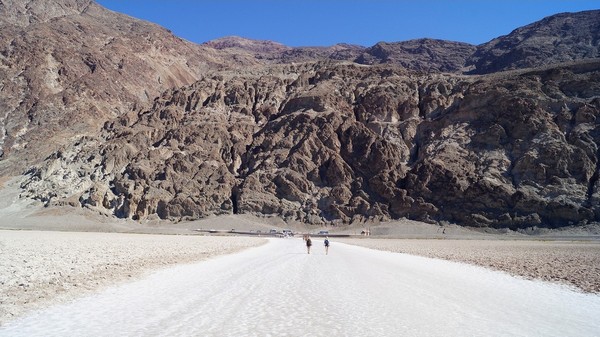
[326, 242]
[308, 243]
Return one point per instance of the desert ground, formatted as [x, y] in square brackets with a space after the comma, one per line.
[55, 255]
[277, 289]
[43, 268]
[575, 262]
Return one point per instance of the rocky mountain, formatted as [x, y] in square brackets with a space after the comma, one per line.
[25, 13]
[555, 39]
[120, 116]
[324, 143]
[270, 52]
[69, 65]
[425, 55]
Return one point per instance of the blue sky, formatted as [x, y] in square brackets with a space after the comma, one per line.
[327, 22]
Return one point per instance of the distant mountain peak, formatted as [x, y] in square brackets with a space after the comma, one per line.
[420, 54]
[230, 42]
[558, 38]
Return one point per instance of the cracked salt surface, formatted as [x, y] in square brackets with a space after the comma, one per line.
[279, 290]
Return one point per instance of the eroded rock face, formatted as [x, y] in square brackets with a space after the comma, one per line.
[67, 66]
[336, 143]
[555, 39]
[120, 116]
[525, 155]
[27, 12]
[427, 55]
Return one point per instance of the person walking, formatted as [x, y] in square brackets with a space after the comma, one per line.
[326, 242]
[308, 243]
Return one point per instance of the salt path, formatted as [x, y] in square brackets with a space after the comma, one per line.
[280, 290]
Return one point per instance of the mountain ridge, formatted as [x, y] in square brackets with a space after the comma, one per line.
[554, 39]
[113, 114]
[542, 39]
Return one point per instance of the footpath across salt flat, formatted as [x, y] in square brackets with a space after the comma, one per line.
[279, 290]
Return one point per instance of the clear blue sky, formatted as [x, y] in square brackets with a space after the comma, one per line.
[327, 22]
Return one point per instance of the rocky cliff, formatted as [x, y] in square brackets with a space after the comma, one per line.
[69, 65]
[426, 55]
[130, 121]
[323, 143]
[555, 39]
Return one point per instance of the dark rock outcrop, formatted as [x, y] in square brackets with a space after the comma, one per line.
[340, 143]
[553, 40]
[427, 55]
[270, 52]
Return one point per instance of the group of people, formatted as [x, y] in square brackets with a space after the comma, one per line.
[308, 242]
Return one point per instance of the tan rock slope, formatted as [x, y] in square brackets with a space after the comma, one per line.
[184, 131]
[67, 66]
